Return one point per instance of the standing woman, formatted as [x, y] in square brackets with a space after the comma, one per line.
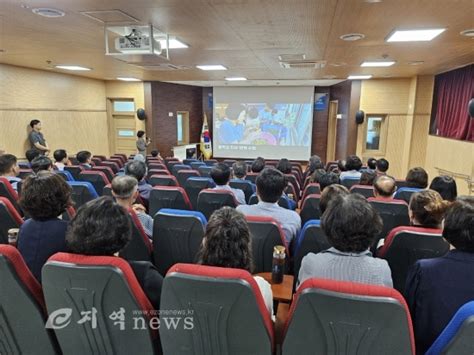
[142, 143]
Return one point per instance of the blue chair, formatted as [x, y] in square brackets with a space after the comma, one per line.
[177, 167]
[284, 201]
[404, 193]
[205, 170]
[246, 186]
[66, 175]
[82, 192]
[458, 336]
[189, 161]
[194, 185]
[349, 181]
[195, 165]
[177, 237]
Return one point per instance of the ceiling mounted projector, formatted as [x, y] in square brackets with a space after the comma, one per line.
[137, 43]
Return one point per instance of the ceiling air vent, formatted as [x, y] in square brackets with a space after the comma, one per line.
[110, 16]
[164, 67]
[304, 64]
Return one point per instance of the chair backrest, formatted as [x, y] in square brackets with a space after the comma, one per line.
[401, 183]
[336, 317]
[66, 175]
[404, 193]
[210, 162]
[210, 200]
[163, 180]
[394, 213]
[170, 165]
[178, 167]
[292, 179]
[168, 197]
[106, 289]
[109, 173]
[112, 165]
[196, 164]
[194, 185]
[22, 308]
[139, 248]
[183, 175]
[158, 166]
[266, 233]
[311, 189]
[246, 186]
[177, 237]
[170, 161]
[152, 172]
[310, 208]
[311, 239]
[9, 218]
[205, 170]
[364, 190]
[252, 177]
[6, 190]
[24, 173]
[96, 178]
[75, 170]
[282, 202]
[405, 245]
[100, 157]
[229, 313]
[189, 161]
[349, 181]
[82, 192]
[118, 161]
[457, 337]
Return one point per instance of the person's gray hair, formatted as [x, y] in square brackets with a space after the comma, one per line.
[124, 186]
[139, 157]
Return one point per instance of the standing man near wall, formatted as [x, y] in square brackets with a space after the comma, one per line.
[36, 138]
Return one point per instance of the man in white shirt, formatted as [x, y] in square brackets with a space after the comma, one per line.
[220, 173]
[270, 186]
[353, 166]
[61, 159]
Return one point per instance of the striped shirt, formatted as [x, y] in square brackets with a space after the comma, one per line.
[354, 267]
[147, 223]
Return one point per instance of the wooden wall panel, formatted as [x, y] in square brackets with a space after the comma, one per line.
[394, 150]
[388, 96]
[419, 140]
[320, 126]
[72, 109]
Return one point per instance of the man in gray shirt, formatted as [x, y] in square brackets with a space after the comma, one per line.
[36, 138]
[270, 186]
[350, 224]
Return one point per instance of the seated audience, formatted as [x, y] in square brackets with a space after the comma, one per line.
[316, 175]
[329, 194]
[125, 191]
[436, 288]
[220, 173]
[284, 165]
[417, 177]
[258, 165]
[41, 163]
[155, 153]
[353, 165]
[270, 186]
[367, 178]
[382, 166]
[371, 164]
[102, 228]
[351, 225]
[227, 243]
[341, 166]
[446, 186]
[328, 179]
[61, 159]
[84, 158]
[137, 169]
[240, 170]
[9, 169]
[314, 164]
[384, 187]
[45, 196]
[31, 154]
[427, 209]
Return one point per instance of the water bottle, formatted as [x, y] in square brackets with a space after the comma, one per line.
[278, 265]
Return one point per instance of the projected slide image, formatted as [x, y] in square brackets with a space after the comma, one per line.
[269, 124]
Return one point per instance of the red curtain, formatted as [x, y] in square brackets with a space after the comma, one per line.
[454, 89]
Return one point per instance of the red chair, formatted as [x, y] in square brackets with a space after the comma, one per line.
[364, 190]
[163, 180]
[230, 316]
[6, 190]
[266, 234]
[252, 177]
[405, 245]
[139, 248]
[118, 161]
[23, 311]
[168, 197]
[106, 170]
[101, 157]
[112, 165]
[96, 178]
[157, 166]
[335, 317]
[311, 189]
[75, 170]
[292, 179]
[210, 200]
[105, 285]
[310, 208]
[9, 218]
[184, 175]
[24, 173]
[152, 172]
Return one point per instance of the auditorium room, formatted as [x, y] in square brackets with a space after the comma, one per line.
[237, 177]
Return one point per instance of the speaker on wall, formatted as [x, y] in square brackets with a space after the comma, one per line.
[141, 114]
[471, 108]
[360, 117]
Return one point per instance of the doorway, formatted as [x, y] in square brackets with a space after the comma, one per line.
[122, 127]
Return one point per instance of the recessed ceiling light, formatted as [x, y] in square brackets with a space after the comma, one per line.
[339, 64]
[48, 12]
[236, 78]
[386, 63]
[359, 77]
[414, 35]
[173, 43]
[467, 33]
[72, 67]
[352, 37]
[416, 62]
[128, 79]
[211, 67]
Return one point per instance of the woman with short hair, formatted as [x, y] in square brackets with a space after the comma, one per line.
[142, 142]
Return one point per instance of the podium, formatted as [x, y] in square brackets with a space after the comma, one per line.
[187, 151]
